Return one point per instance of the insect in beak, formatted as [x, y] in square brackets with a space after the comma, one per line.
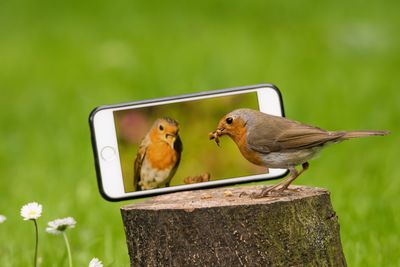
[215, 135]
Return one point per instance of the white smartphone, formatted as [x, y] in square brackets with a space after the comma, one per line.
[121, 134]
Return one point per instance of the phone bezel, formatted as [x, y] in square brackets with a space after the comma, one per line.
[122, 195]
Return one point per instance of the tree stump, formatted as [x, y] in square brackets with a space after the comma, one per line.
[226, 227]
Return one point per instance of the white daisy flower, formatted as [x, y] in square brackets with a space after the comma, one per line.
[31, 211]
[2, 218]
[95, 262]
[60, 225]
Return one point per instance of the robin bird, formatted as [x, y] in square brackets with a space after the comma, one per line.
[158, 156]
[277, 142]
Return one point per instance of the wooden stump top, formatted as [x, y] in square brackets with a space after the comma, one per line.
[217, 197]
[227, 227]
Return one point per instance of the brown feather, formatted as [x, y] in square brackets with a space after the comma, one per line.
[277, 134]
[356, 134]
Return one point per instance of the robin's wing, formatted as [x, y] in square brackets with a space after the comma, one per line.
[304, 136]
[138, 164]
[281, 134]
[178, 147]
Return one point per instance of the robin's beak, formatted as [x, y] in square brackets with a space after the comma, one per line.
[220, 131]
[170, 136]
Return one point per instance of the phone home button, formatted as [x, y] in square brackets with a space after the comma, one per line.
[108, 153]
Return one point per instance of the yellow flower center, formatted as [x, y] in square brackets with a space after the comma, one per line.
[32, 213]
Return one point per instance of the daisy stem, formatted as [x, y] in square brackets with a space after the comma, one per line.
[68, 249]
[36, 244]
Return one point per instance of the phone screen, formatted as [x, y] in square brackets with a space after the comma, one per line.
[201, 160]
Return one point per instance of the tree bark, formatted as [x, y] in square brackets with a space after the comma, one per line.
[226, 227]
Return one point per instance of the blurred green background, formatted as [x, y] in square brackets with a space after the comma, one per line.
[336, 63]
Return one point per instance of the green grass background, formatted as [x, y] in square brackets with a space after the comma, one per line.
[336, 63]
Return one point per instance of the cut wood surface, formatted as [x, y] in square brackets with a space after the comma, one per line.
[226, 227]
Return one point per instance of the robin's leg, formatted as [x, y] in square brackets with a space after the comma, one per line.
[292, 173]
[267, 189]
[286, 184]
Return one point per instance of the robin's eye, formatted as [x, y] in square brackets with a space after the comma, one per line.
[229, 120]
[161, 127]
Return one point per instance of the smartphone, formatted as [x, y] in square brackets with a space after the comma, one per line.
[133, 158]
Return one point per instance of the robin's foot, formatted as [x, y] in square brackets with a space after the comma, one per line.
[243, 194]
[267, 191]
[282, 186]
[273, 191]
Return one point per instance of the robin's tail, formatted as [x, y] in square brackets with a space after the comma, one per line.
[356, 134]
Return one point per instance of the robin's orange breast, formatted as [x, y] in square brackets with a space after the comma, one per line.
[239, 135]
[161, 155]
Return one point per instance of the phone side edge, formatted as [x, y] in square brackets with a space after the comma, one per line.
[96, 154]
[274, 87]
